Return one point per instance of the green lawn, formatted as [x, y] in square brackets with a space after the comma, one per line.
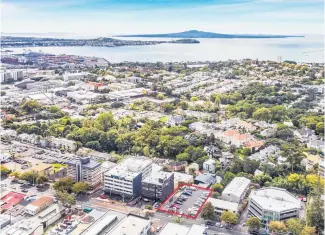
[164, 119]
[57, 166]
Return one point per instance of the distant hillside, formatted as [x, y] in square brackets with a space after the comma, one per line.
[201, 34]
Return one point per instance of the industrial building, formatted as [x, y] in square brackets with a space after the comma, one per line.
[236, 190]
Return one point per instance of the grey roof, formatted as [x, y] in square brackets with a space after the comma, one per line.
[206, 178]
[89, 164]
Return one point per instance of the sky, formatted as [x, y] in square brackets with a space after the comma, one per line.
[112, 17]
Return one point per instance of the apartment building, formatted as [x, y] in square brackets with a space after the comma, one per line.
[158, 186]
[85, 170]
[125, 178]
[11, 75]
[236, 190]
[273, 204]
[59, 143]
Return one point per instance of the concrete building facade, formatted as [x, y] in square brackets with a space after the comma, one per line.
[273, 204]
[85, 170]
[158, 186]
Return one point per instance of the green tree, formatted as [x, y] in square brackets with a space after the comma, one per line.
[183, 157]
[29, 176]
[41, 179]
[320, 128]
[215, 195]
[263, 114]
[253, 223]
[104, 121]
[194, 98]
[278, 226]
[160, 96]
[63, 184]
[217, 187]
[177, 220]
[15, 174]
[294, 225]
[4, 170]
[208, 212]
[65, 197]
[315, 213]
[308, 231]
[31, 106]
[229, 217]
[80, 187]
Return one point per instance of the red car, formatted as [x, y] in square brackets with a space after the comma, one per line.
[103, 196]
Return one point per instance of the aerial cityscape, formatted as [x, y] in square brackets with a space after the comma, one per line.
[117, 118]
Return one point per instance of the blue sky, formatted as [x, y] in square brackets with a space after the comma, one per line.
[109, 17]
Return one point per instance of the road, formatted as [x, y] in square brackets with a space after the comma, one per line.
[104, 205]
[162, 217]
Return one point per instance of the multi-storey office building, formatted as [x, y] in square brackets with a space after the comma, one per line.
[125, 178]
[158, 186]
[85, 170]
[273, 204]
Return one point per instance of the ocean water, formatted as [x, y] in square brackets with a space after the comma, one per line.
[307, 49]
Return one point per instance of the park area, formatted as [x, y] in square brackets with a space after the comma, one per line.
[186, 201]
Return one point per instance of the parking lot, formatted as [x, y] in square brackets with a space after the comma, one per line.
[186, 201]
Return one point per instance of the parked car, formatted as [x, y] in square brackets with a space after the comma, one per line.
[210, 223]
[103, 196]
[24, 190]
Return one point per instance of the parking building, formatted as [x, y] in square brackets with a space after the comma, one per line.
[158, 186]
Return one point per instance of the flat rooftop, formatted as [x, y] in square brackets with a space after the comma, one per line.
[174, 229]
[129, 168]
[223, 205]
[131, 225]
[154, 177]
[237, 186]
[275, 199]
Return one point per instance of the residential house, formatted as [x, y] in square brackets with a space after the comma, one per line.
[310, 161]
[305, 134]
[175, 120]
[246, 126]
[254, 145]
[212, 151]
[270, 132]
[176, 166]
[209, 165]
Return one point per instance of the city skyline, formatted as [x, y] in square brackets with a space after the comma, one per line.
[106, 18]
